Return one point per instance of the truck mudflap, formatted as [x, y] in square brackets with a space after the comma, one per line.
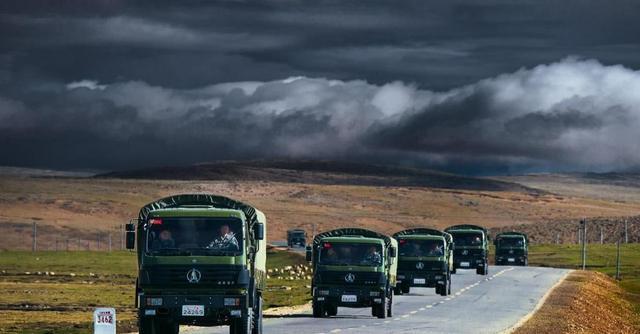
[206, 310]
[421, 279]
[349, 297]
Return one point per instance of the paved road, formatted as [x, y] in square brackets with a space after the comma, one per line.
[479, 304]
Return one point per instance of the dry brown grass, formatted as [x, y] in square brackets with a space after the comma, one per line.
[586, 302]
[80, 207]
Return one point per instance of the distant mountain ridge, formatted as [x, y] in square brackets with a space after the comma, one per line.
[318, 172]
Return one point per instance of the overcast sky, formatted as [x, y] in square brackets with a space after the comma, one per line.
[467, 86]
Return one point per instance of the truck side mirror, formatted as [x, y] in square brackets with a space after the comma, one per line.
[259, 231]
[309, 254]
[130, 236]
[393, 252]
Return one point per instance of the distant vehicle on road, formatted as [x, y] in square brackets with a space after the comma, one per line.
[201, 261]
[425, 259]
[512, 248]
[471, 248]
[296, 238]
[353, 267]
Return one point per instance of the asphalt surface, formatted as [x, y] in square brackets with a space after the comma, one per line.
[478, 304]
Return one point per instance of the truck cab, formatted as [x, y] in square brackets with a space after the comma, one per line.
[512, 249]
[201, 261]
[352, 268]
[296, 238]
[425, 259]
[471, 248]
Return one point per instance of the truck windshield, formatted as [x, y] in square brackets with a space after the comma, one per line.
[414, 247]
[467, 239]
[350, 254]
[510, 242]
[194, 236]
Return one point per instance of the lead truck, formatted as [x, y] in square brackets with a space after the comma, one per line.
[201, 261]
[352, 267]
[425, 259]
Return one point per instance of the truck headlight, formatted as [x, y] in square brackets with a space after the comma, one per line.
[232, 302]
[438, 277]
[154, 301]
[322, 292]
[374, 293]
[400, 276]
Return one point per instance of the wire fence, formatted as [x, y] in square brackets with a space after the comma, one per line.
[43, 237]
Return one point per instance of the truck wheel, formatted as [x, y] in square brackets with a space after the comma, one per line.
[390, 306]
[380, 310]
[332, 310]
[318, 310]
[257, 317]
[244, 324]
[145, 325]
[453, 271]
[449, 285]
[397, 290]
[405, 288]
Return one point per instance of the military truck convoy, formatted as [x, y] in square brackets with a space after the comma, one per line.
[352, 267]
[202, 258]
[471, 248]
[201, 261]
[425, 259]
[511, 248]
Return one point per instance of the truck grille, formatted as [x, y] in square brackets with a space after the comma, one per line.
[340, 277]
[470, 252]
[175, 276]
[427, 265]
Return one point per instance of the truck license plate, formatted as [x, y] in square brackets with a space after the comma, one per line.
[419, 281]
[464, 264]
[349, 298]
[511, 259]
[193, 310]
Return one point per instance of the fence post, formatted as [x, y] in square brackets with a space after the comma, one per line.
[601, 235]
[583, 224]
[626, 231]
[34, 245]
[109, 242]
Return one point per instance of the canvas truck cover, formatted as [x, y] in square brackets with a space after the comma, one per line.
[518, 234]
[425, 231]
[467, 227]
[341, 232]
[199, 199]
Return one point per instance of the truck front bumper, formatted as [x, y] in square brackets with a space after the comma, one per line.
[349, 297]
[427, 279]
[469, 262]
[207, 310]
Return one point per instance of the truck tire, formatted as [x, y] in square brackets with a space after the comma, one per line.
[449, 284]
[257, 316]
[380, 310]
[453, 271]
[158, 326]
[397, 290]
[405, 288]
[332, 310]
[318, 310]
[244, 324]
[390, 306]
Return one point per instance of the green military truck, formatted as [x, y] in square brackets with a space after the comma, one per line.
[201, 261]
[352, 267]
[296, 238]
[425, 259]
[512, 248]
[471, 248]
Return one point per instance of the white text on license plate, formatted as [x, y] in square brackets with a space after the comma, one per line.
[511, 259]
[464, 264]
[349, 298]
[419, 281]
[193, 310]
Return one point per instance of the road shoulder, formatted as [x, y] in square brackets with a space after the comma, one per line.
[585, 302]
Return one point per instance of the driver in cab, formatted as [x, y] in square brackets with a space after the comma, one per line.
[226, 240]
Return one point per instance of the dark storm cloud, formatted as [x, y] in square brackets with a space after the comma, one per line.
[120, 84]
[572, 114]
